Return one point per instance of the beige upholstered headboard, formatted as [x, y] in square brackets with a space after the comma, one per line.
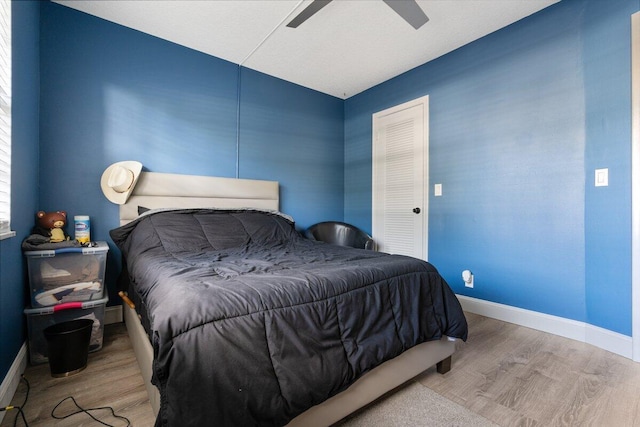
[165, 190]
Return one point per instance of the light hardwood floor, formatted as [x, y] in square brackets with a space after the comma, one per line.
[111, 378]
[516, 376]
[511, 375]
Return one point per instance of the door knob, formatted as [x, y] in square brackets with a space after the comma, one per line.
[416, 210]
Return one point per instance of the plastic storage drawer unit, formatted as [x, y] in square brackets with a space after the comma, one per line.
[38, 319]
[67, 274]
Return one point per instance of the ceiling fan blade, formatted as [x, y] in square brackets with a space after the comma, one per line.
[409, 11]
[308, 12]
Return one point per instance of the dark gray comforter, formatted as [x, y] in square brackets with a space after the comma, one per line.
[252, 324]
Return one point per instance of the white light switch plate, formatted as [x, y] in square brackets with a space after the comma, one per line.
[437, 190]
[602, 177]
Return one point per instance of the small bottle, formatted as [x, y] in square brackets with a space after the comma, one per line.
[82, 228]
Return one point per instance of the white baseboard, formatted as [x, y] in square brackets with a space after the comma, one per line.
[579, 331]
[609, 340]
[12, 379]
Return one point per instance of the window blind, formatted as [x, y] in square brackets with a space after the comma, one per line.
[5, 117]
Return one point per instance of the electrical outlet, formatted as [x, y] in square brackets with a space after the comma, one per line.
[467, 277]
[469, 284]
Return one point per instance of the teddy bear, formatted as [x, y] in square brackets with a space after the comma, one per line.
[52, 224]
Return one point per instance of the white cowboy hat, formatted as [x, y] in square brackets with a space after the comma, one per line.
[118, 180]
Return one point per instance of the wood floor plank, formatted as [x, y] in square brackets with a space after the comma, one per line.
[112, 378]
[623, 404]
[535, 378]
[511, 375]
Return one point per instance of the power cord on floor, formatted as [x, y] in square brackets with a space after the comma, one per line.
[20, 412]
[86, 411]
[79, 411]
[19, 408]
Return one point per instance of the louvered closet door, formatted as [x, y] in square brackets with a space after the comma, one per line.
[400, 209]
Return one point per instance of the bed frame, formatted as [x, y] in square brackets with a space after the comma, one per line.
[160, 190]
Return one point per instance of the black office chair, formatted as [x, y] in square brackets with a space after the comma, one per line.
[341, 234]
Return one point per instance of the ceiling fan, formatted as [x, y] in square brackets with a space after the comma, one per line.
[407, 9]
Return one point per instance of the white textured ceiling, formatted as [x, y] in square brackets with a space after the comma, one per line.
[344, 49]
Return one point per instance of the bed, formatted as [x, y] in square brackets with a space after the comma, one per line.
[240, 320]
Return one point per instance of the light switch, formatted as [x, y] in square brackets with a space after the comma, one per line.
[602, 177]
[437, 190]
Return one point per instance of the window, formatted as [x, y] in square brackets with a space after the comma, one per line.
[5, 119]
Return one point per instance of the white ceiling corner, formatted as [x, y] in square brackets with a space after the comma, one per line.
[347, 47]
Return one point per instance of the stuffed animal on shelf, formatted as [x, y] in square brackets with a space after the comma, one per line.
[52, 224]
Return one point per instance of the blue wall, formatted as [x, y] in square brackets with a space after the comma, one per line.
[295, 136]
[519, 121]
[110, 93]
[24, 184]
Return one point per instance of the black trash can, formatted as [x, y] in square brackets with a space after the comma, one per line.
[68, 346]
